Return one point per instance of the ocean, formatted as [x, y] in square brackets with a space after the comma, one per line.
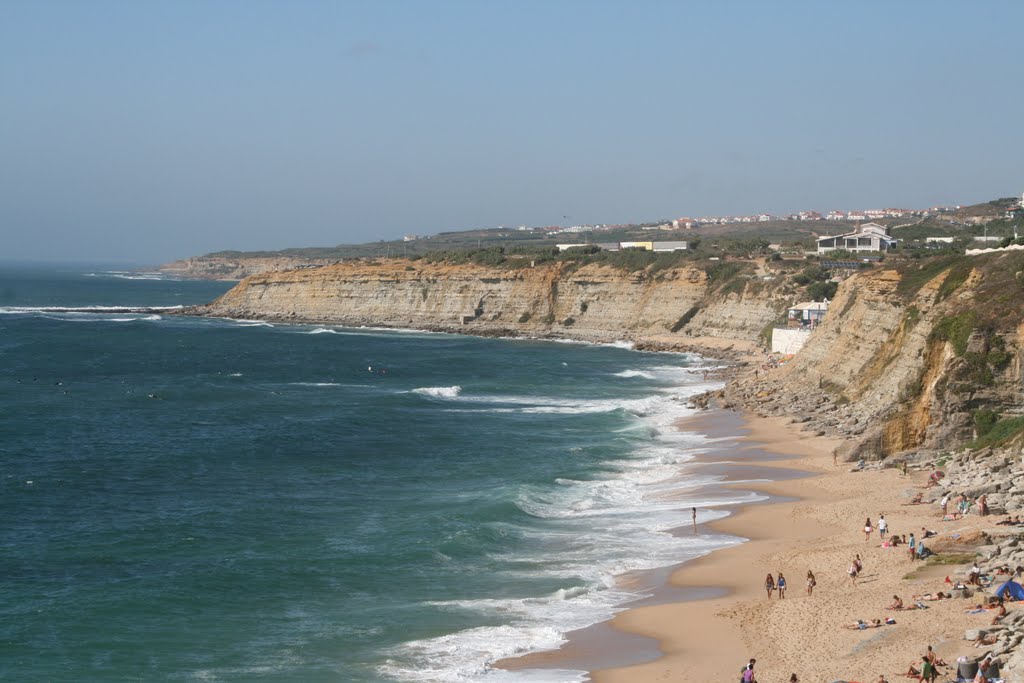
[190, 499]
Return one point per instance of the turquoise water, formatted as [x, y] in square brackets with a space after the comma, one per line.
[215, 500]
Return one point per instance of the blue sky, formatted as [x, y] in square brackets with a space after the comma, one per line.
[147, 131]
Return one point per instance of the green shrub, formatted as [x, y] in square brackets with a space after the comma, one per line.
[914, 278]
[984, 421]
[957, 276]
[822, 290]
[1001, 432]
[956, 330]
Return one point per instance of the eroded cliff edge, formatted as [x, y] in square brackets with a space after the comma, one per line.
[672, 308]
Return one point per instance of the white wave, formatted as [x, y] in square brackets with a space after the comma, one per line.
[464, 657]
[239, 322]
[321, 330]
[71, 310]
[635, 373]
[628, 345]
[635, 517]
[314, 384]
[439, 392]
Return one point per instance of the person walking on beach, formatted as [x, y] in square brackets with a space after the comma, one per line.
[769, 585]
[868, 529]
[945, 504]
[748, 673]
[852, 571]
[811, 583]
[883, 526]
[694, 520]
[928, 672]
[913, 547]
[781, 585]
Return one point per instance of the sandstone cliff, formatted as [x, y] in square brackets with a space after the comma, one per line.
[595, 302]
[907, 358]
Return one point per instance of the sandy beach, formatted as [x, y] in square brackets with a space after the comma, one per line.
[705, 640]
[813, 522]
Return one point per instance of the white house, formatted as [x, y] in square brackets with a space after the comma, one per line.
[867, 237]
[807, 314]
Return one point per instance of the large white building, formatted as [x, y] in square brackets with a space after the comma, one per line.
[867, 237]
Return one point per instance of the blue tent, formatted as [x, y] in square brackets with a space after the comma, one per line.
[1016, 590]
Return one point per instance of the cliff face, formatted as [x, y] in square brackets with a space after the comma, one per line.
[898, 369]
[593, 302]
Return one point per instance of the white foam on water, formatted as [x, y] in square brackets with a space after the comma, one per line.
[439, 392]
[635, 516]
[320, 330]
[82, 310]
[313, 384]
[635, 373]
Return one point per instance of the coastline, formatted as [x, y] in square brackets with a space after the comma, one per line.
[820, 530]
[718, 616]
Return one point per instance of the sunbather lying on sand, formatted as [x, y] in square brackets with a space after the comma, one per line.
[1011, 521]
[916, 500]
[860, 625]
[939, 595]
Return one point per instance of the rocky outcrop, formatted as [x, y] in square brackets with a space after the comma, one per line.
[995, 476]
[595, 302]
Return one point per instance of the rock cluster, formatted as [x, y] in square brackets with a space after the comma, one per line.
[998, 475]
[816, 408]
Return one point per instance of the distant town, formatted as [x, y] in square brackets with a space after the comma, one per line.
[688, 223]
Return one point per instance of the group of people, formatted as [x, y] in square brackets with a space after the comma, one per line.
[929, 671]
[771, 584]
[962, 505]
[747, 674]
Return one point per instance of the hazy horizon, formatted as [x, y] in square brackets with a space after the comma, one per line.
[142, 133]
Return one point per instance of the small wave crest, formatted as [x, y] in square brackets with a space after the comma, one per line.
[439, 392]
[635, 373]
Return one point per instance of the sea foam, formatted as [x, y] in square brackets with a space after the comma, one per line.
[439, 392]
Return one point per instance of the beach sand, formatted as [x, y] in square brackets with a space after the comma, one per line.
[817, 526]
